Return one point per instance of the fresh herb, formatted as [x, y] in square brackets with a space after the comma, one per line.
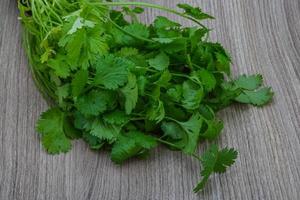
[126, 86]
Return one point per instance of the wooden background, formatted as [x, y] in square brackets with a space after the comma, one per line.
[262, 35]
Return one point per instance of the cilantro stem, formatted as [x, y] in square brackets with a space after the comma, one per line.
[137, 119]
[185, 76]
[149, 5]
[177, 147]
[171, 119]
[147, 68]
[168, 143]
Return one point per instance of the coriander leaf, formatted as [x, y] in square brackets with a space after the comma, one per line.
[192, 128]
[130, 145]
[142, 83]
[259, 97]
[136, 29]
[138, 10]
[164, 79]
[213, 130]
[73, 45]
[206, 112]
[82, 122]
[177, 45]
[50, 127]
[194, 12]
[69, 129]
[79, 81]
[80, 23]
[163, 23]
[192, 95]
[60, 66]
[84, 45]
[127, 52]
[156, 111]
[215, 160]
[92, 103]
[249, 82]
[96, 42]
[116, 117]
[207, 79]
[196, 36]
[94, 142]
[112, 72]
[104, 131]
[223, 63]
[160, 62]
[130, 92]
[62, 92]
[175, 93]
[174, 134]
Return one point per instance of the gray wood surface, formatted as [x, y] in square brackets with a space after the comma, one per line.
[262, 35]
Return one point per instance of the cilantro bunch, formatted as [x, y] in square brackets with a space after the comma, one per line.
[125, 86]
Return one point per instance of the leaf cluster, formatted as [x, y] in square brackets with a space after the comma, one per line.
[125, 86]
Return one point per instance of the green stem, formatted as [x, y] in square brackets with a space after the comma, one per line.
[147, 69]
[149, 5]
[168, 143]
[175, 146]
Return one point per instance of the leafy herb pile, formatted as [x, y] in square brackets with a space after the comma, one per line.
[125, 86]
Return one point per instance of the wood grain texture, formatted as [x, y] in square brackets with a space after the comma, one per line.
[262, 35]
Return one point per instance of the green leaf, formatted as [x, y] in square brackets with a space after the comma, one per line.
[175, 93]
[84, 45]
[160, 62]
[136, 29]
[164, 79]
[142, 83]
[79, 23]
[214, 128]
[138, 10]
[192, 95]
[131, 144]
[127, 52]
[82, 122]
[174, 134]
[194, 12]
[112, 72]
[215, 160]
[69, 129]
[73, 44]
[207, 79]
[223, 63]
[156, 111]
[249, 82]
[60, 66]
[130, 92]
[192, 128]
[196, 36]
[94, 142]
[206, 112]
[62, 92]
[79, 81]
[177, 45]
[105, 131]
[93, 103]
[164, 23]
[50, 126]
[116, 117]
[259, 97]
